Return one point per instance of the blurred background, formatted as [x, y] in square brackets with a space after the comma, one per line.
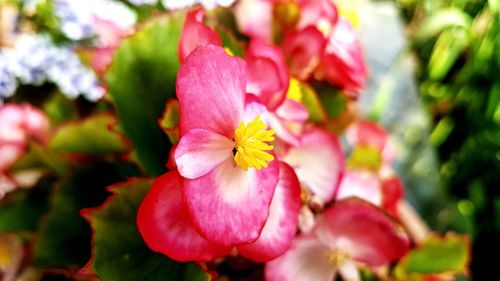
[435, 85]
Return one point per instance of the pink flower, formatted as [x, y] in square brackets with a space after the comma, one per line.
[20, 124]
[196, 34]
[224, 156]
[369, 134]
[166, 226]
[375, 183]
[351, 232]
[342, 63]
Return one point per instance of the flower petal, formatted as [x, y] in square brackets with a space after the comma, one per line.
[393, 193]
[303, 51]
[306, 260]
[267, 73]
[318, 162]
[165, 225]
[362, 184]
[196, 34]
[343, 63]
[363, 231]
[199, 151]
[292, 111]
[281, 224]
[211, 91]
[254, 18]
[317, 13]
[230, 206]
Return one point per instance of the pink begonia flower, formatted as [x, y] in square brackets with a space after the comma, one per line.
[109, 35]
[196, 34]
[229, 175]
[165, 224]
[303, 51]
[382, 187]
[318, 162]
[255, 18]
[342, 63]
[350, 232]
[365, 133]
[19, 124]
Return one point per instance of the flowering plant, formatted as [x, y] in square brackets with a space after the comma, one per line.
[225, 136]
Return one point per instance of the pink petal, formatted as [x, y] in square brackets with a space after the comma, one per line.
[292, 111]
[281, 224]
[211, 91]
[267, 73]
[318, 162]
[367, 133]
[303, 51]
[363, 231]
[282, 130]
[109, 34]
[9, 154]
[317, 12]
[254, 107]
[362, 184]
[306, 260]
[343, 63]
[230, 206]
[196, 34]
[254, 18]
[199, 151]
[102, 59]
[393, 192]
[165, 225]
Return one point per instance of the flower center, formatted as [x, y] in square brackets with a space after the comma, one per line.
[337, 257]
[251, 141]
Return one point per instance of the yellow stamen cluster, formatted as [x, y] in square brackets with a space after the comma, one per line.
[251, 141]
[337, 257]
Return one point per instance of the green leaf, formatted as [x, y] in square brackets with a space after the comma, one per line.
[444, 18]
[59, 108]
[90, 136]
[64, 236]
[141, 79]
[312, 102]
[333, 100]
[20, 210]
[436, 255]
[119, 252]
[449, 46]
